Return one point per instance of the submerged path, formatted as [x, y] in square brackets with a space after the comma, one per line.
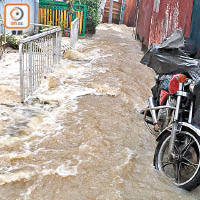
[81, 136]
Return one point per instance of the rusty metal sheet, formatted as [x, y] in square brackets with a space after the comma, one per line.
[144, 20]
[130, 13]
[168, 16]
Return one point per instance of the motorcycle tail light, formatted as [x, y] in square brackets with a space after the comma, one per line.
[174, 82]
[181, 78]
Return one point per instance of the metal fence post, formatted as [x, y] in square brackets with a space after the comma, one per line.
[54, 50]
[21, 72]
[57, 48]
[30, 67]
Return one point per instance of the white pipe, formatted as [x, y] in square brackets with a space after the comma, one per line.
[110, 12]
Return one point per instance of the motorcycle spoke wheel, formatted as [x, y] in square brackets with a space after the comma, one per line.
[183, 168]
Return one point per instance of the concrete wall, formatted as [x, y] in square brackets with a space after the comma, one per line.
[34, 4]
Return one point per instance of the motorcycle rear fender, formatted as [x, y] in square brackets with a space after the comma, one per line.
[183, 127]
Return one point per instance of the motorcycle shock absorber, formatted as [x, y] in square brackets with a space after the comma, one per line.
[153, 112]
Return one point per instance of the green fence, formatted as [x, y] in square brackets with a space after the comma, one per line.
[59, 14]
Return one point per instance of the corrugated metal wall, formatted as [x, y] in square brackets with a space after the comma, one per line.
[195, 30]
[160, 18]
[130, 13]
[144, 20]
[168, 16]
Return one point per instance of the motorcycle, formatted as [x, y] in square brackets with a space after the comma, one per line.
[173, 112]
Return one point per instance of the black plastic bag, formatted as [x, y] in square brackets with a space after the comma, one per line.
[172, 57]
[169, 58]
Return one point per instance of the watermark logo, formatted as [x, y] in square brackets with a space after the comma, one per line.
[17, 16]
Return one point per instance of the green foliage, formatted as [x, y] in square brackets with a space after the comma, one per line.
[93, 18]
[12, 42]
[70, 6]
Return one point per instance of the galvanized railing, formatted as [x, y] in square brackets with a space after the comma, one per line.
[38, 55]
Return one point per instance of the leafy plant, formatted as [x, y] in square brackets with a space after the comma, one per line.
[12, 42]
[93, 18]
[70, 6]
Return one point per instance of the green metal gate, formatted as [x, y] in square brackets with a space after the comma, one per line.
[59, 14]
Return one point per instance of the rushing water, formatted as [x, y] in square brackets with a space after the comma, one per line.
[80, 137]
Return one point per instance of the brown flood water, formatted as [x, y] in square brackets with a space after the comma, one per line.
[81, 136]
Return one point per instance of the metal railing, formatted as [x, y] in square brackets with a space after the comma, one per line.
[74, 32]
[38, 54]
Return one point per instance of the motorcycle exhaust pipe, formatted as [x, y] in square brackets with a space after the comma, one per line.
[153, 112]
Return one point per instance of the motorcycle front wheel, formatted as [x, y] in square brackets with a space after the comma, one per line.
[184, 169]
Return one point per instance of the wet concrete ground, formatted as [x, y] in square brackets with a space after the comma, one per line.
[81, 137]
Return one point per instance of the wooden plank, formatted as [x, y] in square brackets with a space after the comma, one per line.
[65, 19]
[53, 17]
[45, 16]
[81, 21]
[62, 22]
[56, 18]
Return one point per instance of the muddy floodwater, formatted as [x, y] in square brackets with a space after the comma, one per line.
[81, 137]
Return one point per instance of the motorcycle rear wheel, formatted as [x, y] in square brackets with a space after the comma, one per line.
[184, 170]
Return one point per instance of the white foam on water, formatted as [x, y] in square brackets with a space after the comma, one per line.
[15, 177]
[129, 156]
[65, 170]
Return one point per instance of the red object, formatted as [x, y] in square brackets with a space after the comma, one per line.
[163, 96]
[144, 21]
[130, 13]
[181, 78]
[173, 85]
[167, 17]
[67, 32]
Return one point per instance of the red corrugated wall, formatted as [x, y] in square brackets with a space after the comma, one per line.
[130, 13]
[144, 20]
[168, 16]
